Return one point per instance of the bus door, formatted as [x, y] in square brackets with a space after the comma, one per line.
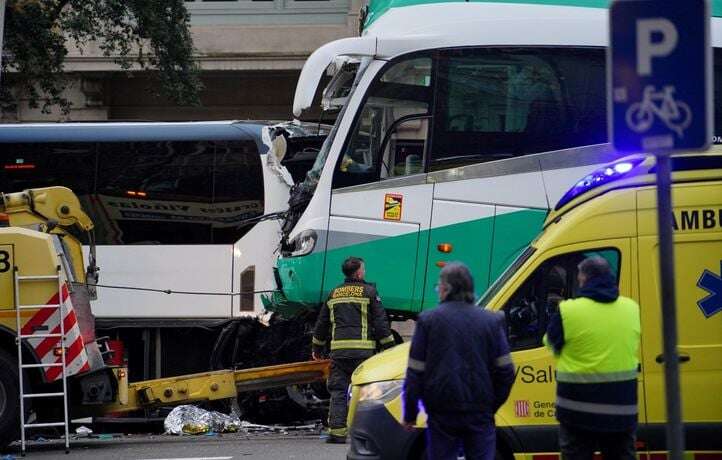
[381, 201]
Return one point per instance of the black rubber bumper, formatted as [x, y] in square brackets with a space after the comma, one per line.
[376, 435]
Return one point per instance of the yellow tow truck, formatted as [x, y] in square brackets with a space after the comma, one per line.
[51, 363]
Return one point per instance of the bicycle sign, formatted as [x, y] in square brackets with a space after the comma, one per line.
[660, 75]
[675, 114]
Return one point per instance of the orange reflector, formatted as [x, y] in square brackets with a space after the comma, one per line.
[441, 264]
[4, 217]
[58, 351]
[135, 193]
[445, 248]
[121, 374]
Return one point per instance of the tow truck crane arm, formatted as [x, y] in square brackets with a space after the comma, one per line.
[54, 210]
[210, 386]
[56, 205]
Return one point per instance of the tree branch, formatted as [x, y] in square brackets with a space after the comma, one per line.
[55, 13]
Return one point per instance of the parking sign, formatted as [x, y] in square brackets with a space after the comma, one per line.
[660, 75]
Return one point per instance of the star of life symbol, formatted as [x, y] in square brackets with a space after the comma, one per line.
[674, 113]
[712, 283]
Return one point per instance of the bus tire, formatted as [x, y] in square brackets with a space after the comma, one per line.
[9, 401]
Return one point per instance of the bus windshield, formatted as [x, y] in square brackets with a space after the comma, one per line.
[345, 92]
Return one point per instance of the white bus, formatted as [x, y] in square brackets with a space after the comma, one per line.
[174, 207]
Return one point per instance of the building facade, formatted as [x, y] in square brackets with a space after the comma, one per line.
[250, 52]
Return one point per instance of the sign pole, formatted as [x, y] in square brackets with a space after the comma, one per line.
[655, 108]
[674, 428]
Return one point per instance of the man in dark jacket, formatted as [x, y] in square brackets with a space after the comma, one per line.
[354, 319]
[595, 338]
[460, 368]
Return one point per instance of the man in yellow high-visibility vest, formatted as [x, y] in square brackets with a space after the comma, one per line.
[596, 340]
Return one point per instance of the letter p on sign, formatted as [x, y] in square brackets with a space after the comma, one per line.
[656, 37]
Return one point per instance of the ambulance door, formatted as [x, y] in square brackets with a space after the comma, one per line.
[531, 300]
[381, 201]
[698, 266]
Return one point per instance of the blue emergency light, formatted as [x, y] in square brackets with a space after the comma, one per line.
[599, 177]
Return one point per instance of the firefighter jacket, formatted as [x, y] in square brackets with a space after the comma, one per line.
[352, 320]
[596, 340]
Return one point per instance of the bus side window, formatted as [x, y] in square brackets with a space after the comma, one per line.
[402, 92]
[497, 103]
[528, 311]
[155, 192]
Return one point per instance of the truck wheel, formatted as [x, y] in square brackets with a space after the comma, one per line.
[9, 401]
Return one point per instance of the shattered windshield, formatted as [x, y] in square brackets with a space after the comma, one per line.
[315, 173]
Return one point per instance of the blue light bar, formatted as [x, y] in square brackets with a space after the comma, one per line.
[599, 177]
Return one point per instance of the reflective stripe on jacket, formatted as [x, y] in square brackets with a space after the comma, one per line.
[351, 321]
[597, 363]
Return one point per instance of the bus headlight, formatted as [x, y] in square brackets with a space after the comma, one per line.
[304, 243]
[380, 392]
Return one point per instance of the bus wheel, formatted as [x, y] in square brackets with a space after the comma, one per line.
[9, 401]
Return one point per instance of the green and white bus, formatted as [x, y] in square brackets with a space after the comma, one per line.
[461, 124]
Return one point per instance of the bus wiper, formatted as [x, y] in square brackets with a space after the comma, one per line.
[261, 218]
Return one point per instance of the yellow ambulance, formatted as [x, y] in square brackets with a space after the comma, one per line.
[609, 213]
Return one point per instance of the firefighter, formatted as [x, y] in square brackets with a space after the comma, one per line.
[352, 319]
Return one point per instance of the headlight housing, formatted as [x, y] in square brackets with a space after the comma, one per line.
[304, 243]
[380, 392]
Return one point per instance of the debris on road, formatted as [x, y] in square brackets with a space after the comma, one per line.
[83, 431]
[194, 420]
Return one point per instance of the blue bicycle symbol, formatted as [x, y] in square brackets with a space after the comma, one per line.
[675, 114]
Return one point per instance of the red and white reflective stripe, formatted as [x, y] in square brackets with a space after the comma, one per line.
[47, 321]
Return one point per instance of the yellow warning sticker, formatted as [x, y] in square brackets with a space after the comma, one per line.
[393, 204]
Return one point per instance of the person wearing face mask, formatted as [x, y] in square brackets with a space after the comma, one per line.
[460, 368]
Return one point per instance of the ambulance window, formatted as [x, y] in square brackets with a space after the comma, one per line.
[529, 309]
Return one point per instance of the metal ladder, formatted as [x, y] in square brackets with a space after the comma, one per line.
[60, 306]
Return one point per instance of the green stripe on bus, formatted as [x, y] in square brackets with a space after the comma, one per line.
[487, 245]
[378, 7]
